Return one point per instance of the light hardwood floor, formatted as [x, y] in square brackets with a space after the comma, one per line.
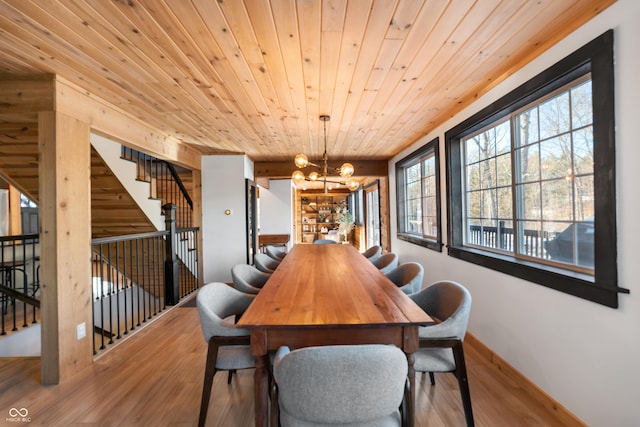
[155, 379]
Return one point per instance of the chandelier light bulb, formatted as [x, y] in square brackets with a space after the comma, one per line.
[346, 170]
[301, 160]
[353, 184]
[313, 176]
[297, 176]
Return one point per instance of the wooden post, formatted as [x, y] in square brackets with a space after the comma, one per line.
[196, 219]
[65, 239]
[171, 276]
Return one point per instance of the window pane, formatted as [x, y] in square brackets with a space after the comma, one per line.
[581, 105]
[429, 166]
[584, 208]
[487, 174]
[414, 217]
[503, 164]
[583, 151]
[489, 205]
[503, 138]
[573, 245]
[473, 204]
[472, 150]
[532, 242]
[528, 159]
[530, 199]
[473, 177]
[555, 197]
[554, 116]
[527, 127]
[556, 158]
[505, 203]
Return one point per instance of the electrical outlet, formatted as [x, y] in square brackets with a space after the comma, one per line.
[81, 330]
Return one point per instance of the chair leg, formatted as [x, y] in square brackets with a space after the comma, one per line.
[209, 372]
[231, 372]
[432, 378]
[463, 382]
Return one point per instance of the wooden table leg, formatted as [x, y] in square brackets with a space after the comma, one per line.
[261, 390]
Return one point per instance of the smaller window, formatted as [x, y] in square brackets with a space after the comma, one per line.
[418, 188]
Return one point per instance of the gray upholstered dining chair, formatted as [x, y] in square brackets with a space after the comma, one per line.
[408, 277]
[324, 242]
[373, 253]
[340, 385]
[228, 346]
[248, 279]
[386, 262]
[441, 350]
[265, 263]
[276, 252]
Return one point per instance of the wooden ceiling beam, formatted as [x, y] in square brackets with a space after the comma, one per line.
[284, 169]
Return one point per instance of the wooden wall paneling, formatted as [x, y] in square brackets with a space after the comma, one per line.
[65, 244]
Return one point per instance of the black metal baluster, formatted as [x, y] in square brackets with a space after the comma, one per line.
[139, 259]
[118, 274]
[100, 297]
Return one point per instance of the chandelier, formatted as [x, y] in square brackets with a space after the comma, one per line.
[345, 171]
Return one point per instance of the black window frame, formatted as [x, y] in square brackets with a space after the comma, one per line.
[432, 146]
[596, 57]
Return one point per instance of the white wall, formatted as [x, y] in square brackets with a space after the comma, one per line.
[276, 208]
[584, 355]
[224, 239]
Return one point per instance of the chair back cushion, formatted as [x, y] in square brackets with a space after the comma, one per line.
[276, 252]
[265, 263]
[407, 276]
[373, 253]
[246, 278]
[324, 242]
[449, 302]
[386, 262]
[216, 302]
[346, 385]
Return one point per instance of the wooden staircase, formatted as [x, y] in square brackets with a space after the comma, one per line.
[113, 211]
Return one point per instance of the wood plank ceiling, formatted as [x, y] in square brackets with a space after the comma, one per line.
[253, 76]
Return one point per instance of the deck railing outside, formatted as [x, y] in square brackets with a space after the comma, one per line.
[502, 238]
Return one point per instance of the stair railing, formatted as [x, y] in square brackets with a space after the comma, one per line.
[165, 182]
[135, 277]
[19, 281]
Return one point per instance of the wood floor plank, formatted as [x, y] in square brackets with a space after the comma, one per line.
[155, 379]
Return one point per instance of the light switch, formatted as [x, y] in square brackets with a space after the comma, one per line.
[81, 330]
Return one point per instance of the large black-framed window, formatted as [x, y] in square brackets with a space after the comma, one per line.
[531, 179]
[418, 197]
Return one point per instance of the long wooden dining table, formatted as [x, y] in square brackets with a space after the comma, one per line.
[329, 295]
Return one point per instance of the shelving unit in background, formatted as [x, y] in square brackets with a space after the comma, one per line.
[319, 215]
